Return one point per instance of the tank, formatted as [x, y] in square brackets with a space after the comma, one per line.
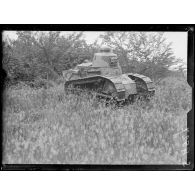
[104, 77]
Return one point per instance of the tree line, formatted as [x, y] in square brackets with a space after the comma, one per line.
[45, 55]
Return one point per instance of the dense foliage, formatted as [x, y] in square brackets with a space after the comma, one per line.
[44, 55]
[142, 52]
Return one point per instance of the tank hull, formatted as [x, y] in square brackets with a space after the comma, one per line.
[122, 87]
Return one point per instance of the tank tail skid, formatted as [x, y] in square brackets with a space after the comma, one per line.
[144, 85]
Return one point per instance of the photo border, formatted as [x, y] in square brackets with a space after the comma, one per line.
[189, 28]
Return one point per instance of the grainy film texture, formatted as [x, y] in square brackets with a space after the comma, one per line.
[95, 97]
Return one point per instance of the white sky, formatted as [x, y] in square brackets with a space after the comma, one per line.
[178, 39]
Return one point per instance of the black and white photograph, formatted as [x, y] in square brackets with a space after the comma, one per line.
[95, 97]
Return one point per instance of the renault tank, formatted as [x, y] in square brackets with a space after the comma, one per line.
[104, 77]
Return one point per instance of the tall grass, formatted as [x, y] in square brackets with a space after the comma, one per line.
[49, 126]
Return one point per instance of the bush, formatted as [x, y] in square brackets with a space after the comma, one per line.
[173, 94]
[49, 126]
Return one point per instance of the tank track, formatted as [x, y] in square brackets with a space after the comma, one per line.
[92, 84]
[108, 88]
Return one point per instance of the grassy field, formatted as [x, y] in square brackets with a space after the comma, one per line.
[49, 126]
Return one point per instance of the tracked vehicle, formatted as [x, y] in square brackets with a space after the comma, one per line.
[104, 77]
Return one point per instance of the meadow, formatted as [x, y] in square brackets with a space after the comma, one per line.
[47, 126]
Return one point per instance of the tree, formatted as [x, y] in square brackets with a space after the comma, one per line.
[11, 65]
[141, 52]
[38, 50]
[7, 53]
[46, 54]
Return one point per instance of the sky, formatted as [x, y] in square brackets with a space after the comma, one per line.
[178, 39]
